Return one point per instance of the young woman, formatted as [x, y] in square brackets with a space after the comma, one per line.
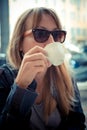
[35, 94]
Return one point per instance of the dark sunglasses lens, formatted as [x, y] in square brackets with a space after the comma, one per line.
[40, 35]
[59, 36]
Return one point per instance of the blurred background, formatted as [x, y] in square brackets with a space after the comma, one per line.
[73, 15]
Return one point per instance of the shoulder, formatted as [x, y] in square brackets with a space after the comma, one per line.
[77, 97]
[75, 86]
[7, 74]
[7, 70]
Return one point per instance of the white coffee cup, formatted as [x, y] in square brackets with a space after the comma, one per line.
[56, 53]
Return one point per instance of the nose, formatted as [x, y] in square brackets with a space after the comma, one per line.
[50, 39]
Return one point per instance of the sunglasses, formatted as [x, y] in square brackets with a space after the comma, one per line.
[42, 35]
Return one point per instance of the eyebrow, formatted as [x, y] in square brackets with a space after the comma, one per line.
[41, 27]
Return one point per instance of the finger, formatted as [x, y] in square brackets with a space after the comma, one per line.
[35, 63]
[37, 49]
[34, 57]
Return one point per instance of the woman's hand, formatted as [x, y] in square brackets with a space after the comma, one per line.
[33, 63]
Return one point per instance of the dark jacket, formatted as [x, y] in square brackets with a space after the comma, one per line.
[16, 103]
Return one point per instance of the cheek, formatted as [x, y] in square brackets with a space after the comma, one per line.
[28, 43]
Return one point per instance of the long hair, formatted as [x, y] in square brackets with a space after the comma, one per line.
[58, 76]
[62, 95]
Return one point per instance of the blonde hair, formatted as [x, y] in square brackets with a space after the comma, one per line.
[58, 75]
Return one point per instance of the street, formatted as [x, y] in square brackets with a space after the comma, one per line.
[83, 93]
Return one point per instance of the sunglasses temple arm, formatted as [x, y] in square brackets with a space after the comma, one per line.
[27, 33]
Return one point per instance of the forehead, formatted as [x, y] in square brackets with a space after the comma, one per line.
[47, 21]
[29, 22]
[43, 18]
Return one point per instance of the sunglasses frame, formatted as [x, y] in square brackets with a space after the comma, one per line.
[48, 34]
